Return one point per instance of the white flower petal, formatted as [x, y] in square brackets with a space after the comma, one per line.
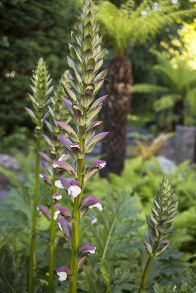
[74, 190]
[62, 157]
[55, 166]
[56, 214]
[62, 276]
[102, 165]
[96, 205]
[57, 197]
[60, 226]
[59, 184]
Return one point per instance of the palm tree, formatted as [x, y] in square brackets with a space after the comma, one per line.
[178, 88]
[129, 24]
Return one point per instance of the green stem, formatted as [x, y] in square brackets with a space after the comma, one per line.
[33, 232]
[145, 274]
[76, 223]
[52, 239]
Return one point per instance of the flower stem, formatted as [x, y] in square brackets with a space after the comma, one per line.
[145, 274]
[35, 203]
[52, 239]
[76, 223]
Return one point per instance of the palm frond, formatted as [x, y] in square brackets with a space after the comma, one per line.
[148, 89]
[128, 24]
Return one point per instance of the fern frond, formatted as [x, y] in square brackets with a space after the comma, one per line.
[126, 25]
[148, 89]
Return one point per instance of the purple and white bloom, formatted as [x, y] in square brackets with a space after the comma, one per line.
[44, 211]
[56, 196]
[96, 165]
[63, 272]
[86, 249]
[65, 227]
[91, 202]
[65, 166]
[64, 212]
[71, 185]
[46, 178]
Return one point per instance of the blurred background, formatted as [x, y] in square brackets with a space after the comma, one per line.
[150, 113]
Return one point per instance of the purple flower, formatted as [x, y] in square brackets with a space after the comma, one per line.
[66, 142]
[66, 228]
[86, 249]
[63, 272]
[90, 202]
[96, 165]
[65, 166]
[45, 156]
[64, 212]
[44, 211]
[46, 178]
[71, 185]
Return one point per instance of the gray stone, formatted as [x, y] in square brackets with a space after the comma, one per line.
[185, 141]
[9, 162]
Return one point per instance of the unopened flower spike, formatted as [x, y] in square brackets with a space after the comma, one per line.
[164, 209]
[40, 97]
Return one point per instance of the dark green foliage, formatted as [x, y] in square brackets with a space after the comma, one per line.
[118, 242]
[29, 30]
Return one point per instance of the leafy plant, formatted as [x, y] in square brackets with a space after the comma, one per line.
[148, 151]
[177, 89]
[128, 24]
[116, 232]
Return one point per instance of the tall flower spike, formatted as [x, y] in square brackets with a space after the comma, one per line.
[164, 209]
[86, 58]
[40, 98]
[57, 111]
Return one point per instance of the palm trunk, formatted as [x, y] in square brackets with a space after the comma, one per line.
[178, 110]
[116, 108]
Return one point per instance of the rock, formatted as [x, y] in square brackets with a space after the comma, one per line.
[185, 142]
[9, 162]
[168, 150]
[167, 165]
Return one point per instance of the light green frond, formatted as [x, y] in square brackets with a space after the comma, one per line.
[166, 102]
[125, 25]
[148, 89]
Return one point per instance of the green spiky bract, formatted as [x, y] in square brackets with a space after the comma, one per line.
[164, 209]
[40, 92]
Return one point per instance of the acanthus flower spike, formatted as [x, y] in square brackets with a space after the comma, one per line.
[86, 58]
[63, 272]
